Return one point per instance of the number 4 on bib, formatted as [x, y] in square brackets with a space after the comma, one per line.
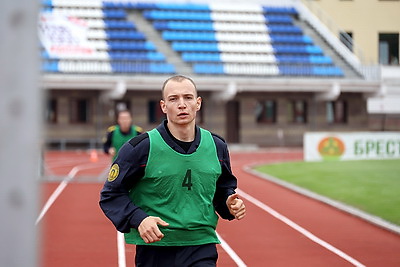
[187, 180]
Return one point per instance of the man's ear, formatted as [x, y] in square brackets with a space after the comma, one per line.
[198, 100]
[163, 107]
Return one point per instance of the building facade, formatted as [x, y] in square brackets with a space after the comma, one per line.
[256, 88]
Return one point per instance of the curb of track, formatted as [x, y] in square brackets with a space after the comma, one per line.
[336, 204]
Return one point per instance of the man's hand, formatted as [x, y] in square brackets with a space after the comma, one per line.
[236, 206]
[148, 229]
[111, 151]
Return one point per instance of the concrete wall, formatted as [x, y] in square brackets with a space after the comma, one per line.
[281, 133]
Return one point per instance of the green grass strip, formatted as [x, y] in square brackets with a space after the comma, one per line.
[369, 185]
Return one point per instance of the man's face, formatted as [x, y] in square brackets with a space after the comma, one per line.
[180, 102]
[124, 120]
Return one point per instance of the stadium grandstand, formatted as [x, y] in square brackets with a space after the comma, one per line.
[268, 71]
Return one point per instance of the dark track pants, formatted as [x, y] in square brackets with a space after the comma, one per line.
[187, 256]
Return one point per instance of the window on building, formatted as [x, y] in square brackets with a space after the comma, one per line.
[389, 48]
[297, 111]
[336, 112]
[347, 39]
[51, 111]
[80, 110]
[266, 111]
[155, 113]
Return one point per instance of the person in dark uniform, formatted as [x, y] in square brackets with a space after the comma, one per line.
[120, 133]
[166, 186]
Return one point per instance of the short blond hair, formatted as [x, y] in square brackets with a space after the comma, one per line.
[177, 78]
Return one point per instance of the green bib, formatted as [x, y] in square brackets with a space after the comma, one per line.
[179, 188]
[119, 139]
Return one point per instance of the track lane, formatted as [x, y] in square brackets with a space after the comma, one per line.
[76, 233]
[370, 245]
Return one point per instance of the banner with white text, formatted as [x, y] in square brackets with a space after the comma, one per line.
[320, 146]
[64, 36]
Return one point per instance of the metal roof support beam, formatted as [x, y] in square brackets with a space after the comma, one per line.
[226, 95]
[329, 95]
[117, 92]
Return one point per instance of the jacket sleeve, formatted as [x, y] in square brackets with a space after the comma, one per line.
[115, 202]
[107, 141]
[227, 182]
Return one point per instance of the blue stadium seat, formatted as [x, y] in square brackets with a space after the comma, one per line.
[208, 68]
[192, 46]
[50, 66]
[201, 57]
[125, 35]
[183, 6]
[284, 19]
[131, 45]
[188, 36]
[280, 10]
[114, 14]
[290, 39]
[176, 15]
[276, 29]
[118, 24]
[258, 40]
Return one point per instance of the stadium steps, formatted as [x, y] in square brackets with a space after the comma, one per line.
[348, 71]
[163, 46]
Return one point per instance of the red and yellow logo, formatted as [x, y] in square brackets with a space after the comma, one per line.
[331, 148]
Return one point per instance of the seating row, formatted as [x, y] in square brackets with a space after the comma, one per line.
[73, 3]
[307, 71]
[130, 45]
[156, 68]
[225, 27]
[226, 69]
[198, 7]
[87, 12]
[118, 45]
[115, 34]
[244, 48]
[200, 57]
[255, 58]
[119, 24]
[264, 69]
[106, 67]
[113, 5]
[137, 56]
[234, 37]
[110, 24]
[216, 16]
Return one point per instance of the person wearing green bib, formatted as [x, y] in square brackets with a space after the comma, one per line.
[120, 133]
[166, 186]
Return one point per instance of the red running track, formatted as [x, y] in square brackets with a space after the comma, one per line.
[74, 231]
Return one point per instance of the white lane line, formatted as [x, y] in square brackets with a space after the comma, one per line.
[51, 200]
[121, 249]
[231, 252]
[300, 229]
[61, 188]
[225, 246]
